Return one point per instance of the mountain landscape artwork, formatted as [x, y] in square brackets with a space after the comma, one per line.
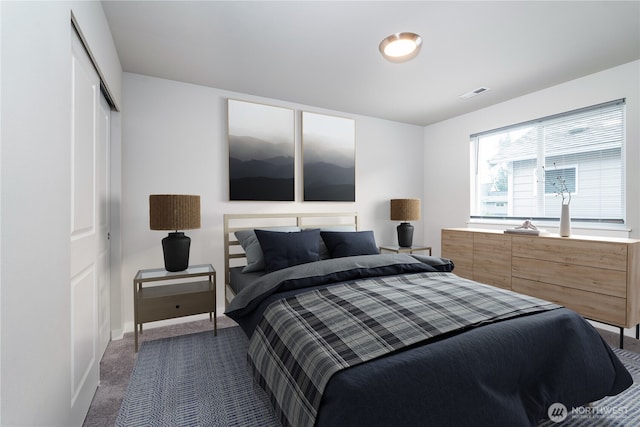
[261, 152]
[328, 158]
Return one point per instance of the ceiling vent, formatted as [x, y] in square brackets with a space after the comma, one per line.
[474, 92]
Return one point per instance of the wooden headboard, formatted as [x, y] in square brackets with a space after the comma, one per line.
[234, 255]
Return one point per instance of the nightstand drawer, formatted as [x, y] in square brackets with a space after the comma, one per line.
[159, 294]
[168, 307]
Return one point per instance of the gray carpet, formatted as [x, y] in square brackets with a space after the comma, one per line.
[201, 380]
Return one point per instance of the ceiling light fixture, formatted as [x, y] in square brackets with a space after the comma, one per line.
[400, 47]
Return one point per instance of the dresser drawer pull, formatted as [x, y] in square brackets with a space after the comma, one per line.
[178, 306]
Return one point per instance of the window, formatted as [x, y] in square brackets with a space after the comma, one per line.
[515, 171]
[554, 178]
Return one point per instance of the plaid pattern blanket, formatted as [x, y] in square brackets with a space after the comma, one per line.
[303, 340]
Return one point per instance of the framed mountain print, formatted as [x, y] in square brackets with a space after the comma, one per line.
[328, 158]
[261, 151]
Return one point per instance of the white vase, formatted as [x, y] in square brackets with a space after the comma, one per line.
[565, 221]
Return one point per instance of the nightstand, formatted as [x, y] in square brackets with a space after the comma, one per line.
[402, 250]
[175, 297]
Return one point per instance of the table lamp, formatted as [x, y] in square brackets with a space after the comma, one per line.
[405, 210]
[174, 212]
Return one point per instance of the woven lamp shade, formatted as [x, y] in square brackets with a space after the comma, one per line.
[174, 212]
[405, 209]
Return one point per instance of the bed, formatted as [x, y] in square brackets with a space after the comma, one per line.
[340, 335]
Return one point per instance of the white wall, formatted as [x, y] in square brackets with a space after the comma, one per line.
[447, 147]
[174, 140]
[35, 216]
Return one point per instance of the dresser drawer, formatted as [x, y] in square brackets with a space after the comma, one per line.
[492, 259]
[598, 280]
[458, 246]
[603, 308]
[608, 255]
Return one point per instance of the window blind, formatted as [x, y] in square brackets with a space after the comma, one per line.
[515, 169]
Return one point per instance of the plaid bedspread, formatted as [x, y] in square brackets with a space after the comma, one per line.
[303, 340]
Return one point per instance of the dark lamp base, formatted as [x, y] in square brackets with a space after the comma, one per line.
[405, 235]
[176, 251]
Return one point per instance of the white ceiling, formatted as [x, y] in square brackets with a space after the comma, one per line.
[325, 54]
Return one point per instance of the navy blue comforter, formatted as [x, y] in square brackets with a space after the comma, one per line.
[506, 373]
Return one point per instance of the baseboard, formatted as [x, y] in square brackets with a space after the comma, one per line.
[117, 334]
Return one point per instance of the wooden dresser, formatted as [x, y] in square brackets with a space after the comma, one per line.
[596, 277]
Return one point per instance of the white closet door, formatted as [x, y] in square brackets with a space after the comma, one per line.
[87, 259]
[102, 184]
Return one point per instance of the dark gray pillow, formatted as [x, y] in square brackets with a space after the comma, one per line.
[323, 251]
[440, 264]
[251, 246]
[342, 244]
[282, 250]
